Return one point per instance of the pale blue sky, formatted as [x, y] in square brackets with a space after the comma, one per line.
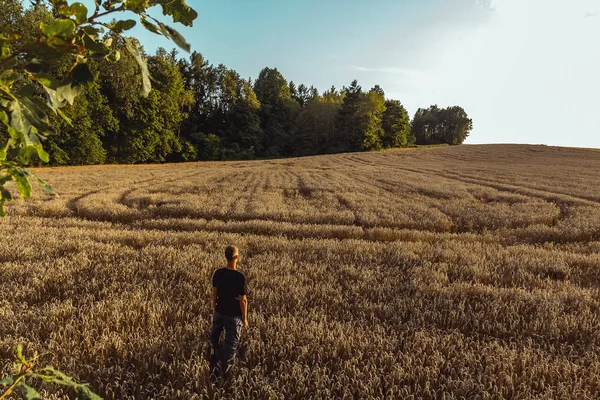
[526, 71]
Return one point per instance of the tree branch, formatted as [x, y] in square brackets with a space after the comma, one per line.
[92, 19]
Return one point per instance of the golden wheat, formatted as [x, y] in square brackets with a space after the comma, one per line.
[443, 273]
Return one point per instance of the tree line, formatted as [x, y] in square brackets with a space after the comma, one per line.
[199, 111]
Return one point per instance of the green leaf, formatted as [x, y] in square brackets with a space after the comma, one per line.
[5, 194]
[15, 137]
[82, 75]
[137, 6]
[52, 99]
[4, 49]
[173, 35]
[10, 63]
[123, 25]
[29, 112]
[46, 80]
[33, 146]
[9, 76]
[6, 381]
[94, 46]
[63, 28]
[51, 375]
[33, 110]
[28, 392]
[62, 7]
[24, 186]
[19, 349]
[60, 44]
[149, 25]
[42, 154]
[36, 66]
[5, 178]
[177, 38]
[179, 10]
[64, 117]
[114, 56]
[47, 188]
[68, 92]
[133, 46]
[80, 11]
[84, 393]
[25, 154]
[17, 120]
[23, 129]
[6, 96]
[92, 31]
[9, 34]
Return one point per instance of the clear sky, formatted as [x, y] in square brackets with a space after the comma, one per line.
[526, 71]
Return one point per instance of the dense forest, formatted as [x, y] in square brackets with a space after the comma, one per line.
[199, 111]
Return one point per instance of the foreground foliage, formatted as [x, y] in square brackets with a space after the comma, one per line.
[28, 369]
[46, 61]
[457, 272]
[45, 64]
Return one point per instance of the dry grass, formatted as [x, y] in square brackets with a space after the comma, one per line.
[451, 272]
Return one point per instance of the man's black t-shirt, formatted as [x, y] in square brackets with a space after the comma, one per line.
[230, 284]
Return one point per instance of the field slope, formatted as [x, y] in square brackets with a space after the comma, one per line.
[451, 272]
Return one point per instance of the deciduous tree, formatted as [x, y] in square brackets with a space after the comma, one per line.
[441, 126]
[396, 125]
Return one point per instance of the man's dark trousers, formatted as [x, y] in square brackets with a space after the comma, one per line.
[233, 329]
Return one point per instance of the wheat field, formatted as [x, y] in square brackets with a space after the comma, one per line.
[468, 272]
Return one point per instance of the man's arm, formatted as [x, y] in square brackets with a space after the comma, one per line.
[214, 298]
[244, 308]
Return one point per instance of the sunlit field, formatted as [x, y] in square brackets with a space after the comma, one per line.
[452, 272]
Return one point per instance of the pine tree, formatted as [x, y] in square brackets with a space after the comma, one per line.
[278, 112]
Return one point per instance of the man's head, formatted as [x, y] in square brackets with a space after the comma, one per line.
[231, 254]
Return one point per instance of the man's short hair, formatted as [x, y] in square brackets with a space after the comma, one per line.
[231, 252]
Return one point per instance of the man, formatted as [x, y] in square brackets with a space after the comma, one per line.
[230, 307]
